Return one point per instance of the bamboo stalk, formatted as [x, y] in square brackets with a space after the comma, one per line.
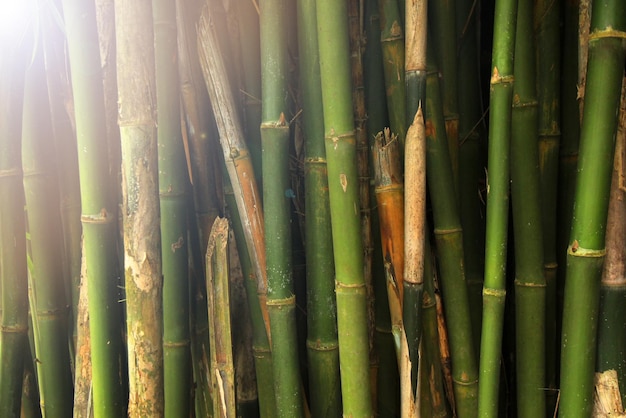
[530, 282]
[251, 76]
[201, 130]
[386, 398]
[281, 302]
[218, 303]
[357, 40]
[61, 103]
[13, 269]
[236, 156]
[471, 157]
[494, 290]
[322, 346]
[392, 42]
[99, 211]
[415, 227]
[136, 93]
[586, 251]
[41, 192]
[415, 178]
[611, 336]
[548, 47]
[343, 190]
[449, 240]
[444, 42]
[172, 205]
[390, 198]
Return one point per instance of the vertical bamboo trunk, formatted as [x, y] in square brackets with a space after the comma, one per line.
[83, 407]
[444, 42]
[98, 209]
[392, 42]
[41, 192]
[356, 33]
[568, 154]
[343, 190]
[142, 238]
[13, 270]
[281, 301]
[471, 157]
[323, 351]
[222, 366]
[61, 103]
[200, 129]
[612, 327]
[586, 251]
[530, 283]
[449, 240]
[415, 178]
[548, 49]
[494, 291]
[415, 233]
[172, 205]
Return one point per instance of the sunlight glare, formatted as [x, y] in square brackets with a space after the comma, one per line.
[15, 16]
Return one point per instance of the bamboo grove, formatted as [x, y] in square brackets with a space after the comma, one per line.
[312, 208]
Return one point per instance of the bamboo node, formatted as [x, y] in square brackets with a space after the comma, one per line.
[320, 346]
[488, 291]
[291, 300]
[521, 283]
[609, 32]
[576, 250]
[13, 329]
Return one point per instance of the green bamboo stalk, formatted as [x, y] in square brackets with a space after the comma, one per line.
[60, 97]
[281, 302]
[218, 303]
[586, 251]
[201, 137]
[471, 157]
[392, 42]
[444, 42]
[343, 190]
[13, 269]
[172, 202]
[323, 350]
[568, 152]
[449, 240]
[611, 329]
[530, 283]
[99, 212]
[143, 283]
[494, 291]
[548, 47]
[41, 191]
[356, 34]
[260, 343]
